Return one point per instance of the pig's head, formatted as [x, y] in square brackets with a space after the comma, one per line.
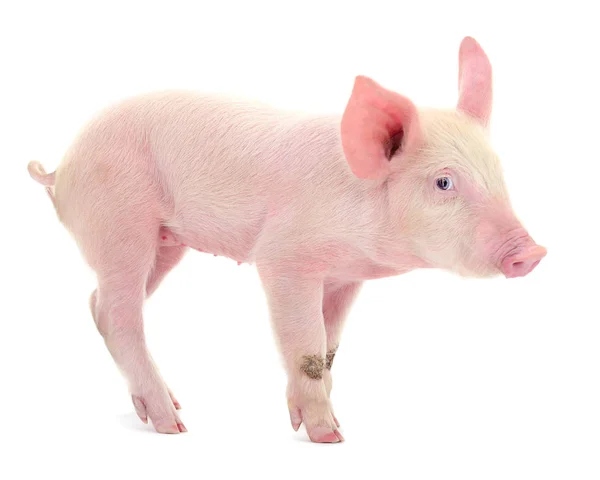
[447, 196]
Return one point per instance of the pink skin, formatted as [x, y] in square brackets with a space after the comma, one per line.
[319, 204]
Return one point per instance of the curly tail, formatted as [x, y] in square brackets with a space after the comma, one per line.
[38, 173]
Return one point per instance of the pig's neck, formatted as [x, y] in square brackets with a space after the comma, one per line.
[384, 244]
[391, 237]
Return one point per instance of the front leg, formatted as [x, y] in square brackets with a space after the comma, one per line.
[295, 305]
[337, 300]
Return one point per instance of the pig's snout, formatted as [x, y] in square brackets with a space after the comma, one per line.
[520, 263]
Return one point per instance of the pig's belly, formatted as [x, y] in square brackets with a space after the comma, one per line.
[229, 229]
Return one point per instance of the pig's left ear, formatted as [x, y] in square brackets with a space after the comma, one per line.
[377, 124]
[474, 81]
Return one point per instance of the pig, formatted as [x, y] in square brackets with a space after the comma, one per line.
[317, 203]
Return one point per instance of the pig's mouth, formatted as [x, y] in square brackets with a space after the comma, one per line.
[519, 255]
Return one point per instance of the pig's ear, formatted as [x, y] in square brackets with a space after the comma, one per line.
[376, 124]
[474, 81]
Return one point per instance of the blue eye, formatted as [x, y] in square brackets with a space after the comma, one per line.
[444, 183]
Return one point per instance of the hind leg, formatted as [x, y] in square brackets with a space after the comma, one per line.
[123, 269]
[119, 319]
[166, 259]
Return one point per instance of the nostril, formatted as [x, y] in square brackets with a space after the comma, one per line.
[521, 268]
[518, 268]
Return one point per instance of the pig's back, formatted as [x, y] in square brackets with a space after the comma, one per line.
[236, 142]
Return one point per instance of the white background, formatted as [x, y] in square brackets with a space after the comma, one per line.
[436, 378]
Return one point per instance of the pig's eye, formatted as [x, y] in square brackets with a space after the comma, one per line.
[444, 183]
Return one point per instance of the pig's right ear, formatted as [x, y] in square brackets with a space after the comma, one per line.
[377, 124]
